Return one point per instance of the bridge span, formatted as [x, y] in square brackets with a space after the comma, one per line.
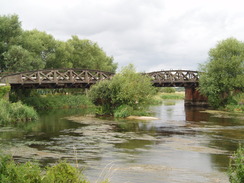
[84, 78]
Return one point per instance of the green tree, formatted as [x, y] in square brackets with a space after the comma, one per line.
[18, 59]
[62, 57]
[126, 90]
[223, 74]
[10, 30]
[86, 54]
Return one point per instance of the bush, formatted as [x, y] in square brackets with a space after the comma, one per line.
[236, 168]
[63, 172]
[126, 88]
[18, 173]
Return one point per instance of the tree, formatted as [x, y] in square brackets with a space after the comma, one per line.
[10, 30]
[126, 89]
[62, 57]
[223, 74]
[88, 55]
[32, 49]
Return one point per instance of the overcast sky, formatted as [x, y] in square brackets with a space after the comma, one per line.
[151, 34]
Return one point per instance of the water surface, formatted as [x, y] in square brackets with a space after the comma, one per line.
[184, 145]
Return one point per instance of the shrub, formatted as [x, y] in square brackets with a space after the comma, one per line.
[236, 168]
[126, 88]
[18, 173]
[63, 172]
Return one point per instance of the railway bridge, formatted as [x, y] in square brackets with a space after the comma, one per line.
[84, 78]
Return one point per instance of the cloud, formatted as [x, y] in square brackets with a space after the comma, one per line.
[158, 34]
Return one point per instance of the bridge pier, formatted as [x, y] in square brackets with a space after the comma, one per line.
[194, 98]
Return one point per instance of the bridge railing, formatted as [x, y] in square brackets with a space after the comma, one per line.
[58, 76]
[174, 77]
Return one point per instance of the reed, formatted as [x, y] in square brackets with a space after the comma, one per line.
[12, 113]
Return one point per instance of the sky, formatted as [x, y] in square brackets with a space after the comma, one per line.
[151, 34]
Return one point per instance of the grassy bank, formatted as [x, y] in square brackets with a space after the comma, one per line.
[175, 96]
[12, 113]
[32, 173]
[58, 101]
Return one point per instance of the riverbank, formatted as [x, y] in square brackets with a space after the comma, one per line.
[161, 96]
[58, 101]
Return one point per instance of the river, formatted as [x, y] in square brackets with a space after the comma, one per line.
[183, 145]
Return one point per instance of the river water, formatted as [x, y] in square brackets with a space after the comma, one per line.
[183, 145]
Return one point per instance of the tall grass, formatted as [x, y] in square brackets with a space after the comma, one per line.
[11, 113]
[58, 101]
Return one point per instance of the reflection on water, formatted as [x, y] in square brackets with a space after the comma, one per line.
[183, 145]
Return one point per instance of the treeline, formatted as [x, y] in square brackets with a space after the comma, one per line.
[25, 50]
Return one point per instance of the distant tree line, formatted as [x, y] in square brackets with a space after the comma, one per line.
[24, 50]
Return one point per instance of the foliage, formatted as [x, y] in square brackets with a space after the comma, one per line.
[168, 90]
[236, 168]
[126, 90]
[4, 90]
[58, 101]
[172, 95]
[22, 50]
[63, 172]
[224, 73]
[10, 29]
[86, 54]
[123, 111]
[29, 172]
[18, 173]
[15, 112]
[236, 103]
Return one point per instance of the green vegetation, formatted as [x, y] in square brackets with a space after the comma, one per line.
[236, 103]
[4, 90]
[168, 90]
[178, 95]
[22, 50]
[236, 168]
[223, 75]
[124, 94]
[12, 113]
[58, 101]
[32, 173]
